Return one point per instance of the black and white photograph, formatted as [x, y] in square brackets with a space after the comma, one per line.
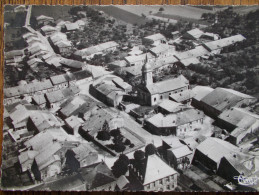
[131, 98]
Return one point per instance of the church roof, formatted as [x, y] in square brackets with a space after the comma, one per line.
[167, 85]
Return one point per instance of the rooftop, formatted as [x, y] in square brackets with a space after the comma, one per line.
[155, 37]
[222, 98]
[168, 85]
[201, 91]
[182, 96]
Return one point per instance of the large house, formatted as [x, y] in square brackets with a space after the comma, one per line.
[239, 122]
[178, 124]
[224, 158]
[177, 154]
[109, 89]
[153, 93]
[154, 174]
[155, 39]
[90, 52]
[44, 20]
[221, 99]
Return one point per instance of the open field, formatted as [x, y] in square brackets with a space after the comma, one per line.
[122, 14]
[181, 11]
[57, 12]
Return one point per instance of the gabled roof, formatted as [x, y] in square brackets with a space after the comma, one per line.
[39, 99]
[240, 118]
[218, 44]
[72, 63]
[83, 150]
[196, 33]
[216, 149]
[122, 182]
[97, 175]
[74, 121]
[182, 96]
[59, 95]
[42, 17]
[167, 85]
[142, 57]
[156, 169]
[160, 49]
[181, 151]
[222, 98]
[48, 28]
[72, 26]
[155, 37]
[171, 106]
[201, 91]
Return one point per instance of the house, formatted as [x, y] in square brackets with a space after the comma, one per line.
[41, 121]
[81, 156]
[77, 105]
[90, 52]
[20, 8]
[221, 99]
[216, 46]
[20, 114]
[71, 27]
[29, 35]
[26, 159]
[34, 62]
[62, 81]
[175, 34]
[153, 93]
[117, 64]
[95, 119]
[95, 177]
[122, 184]
[184, 97]
[105, 89]
[154, 174]
[60, 43]
[169, 106]
[162, 51]
[210, 36]
[32, 40]
[48, 30]
[123, 85]
[176, 154]
[214, 153]
[199, 93]
[155, 39]
[193, 34]
[72, 64]
[44, 20]
[139, 60]
[239, 122]
[178, 124]
[13, 94]
[39, 100]
[55, 98]
[192, 54]
[73, 123]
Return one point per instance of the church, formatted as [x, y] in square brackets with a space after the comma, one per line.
[151, 93]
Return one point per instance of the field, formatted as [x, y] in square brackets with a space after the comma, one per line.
[181, 11]
[122, 14]
[57, 12]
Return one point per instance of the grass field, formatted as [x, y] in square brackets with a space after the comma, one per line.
[122, 14]
[181, 11]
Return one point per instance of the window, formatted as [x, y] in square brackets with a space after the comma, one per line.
[168, 187]
[161, 97]
[169, 93]
[167, 179]
[160, 181]
[154, 99]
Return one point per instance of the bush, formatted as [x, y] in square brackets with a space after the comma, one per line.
[150, 149]
[131, 145]
[120, 166]
[103, 135]
[139, 155]
[119, 147]
[127, 142]
[115, 132]
[161, 9]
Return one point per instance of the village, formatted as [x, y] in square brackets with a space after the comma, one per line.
[94, 103]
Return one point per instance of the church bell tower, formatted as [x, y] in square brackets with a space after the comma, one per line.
[147, 78]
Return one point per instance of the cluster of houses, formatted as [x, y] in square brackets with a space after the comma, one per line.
[50, 118]
[162, 53]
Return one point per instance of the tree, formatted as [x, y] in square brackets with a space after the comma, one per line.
[120, 166]
[105, 126]
[139, 155]
[150, 149]
[115, 132]
[119, 147]
[103, 135]
[161, 9]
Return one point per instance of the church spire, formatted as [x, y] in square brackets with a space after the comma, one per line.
[147, 76]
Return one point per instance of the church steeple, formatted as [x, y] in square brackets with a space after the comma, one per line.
[147, 77]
